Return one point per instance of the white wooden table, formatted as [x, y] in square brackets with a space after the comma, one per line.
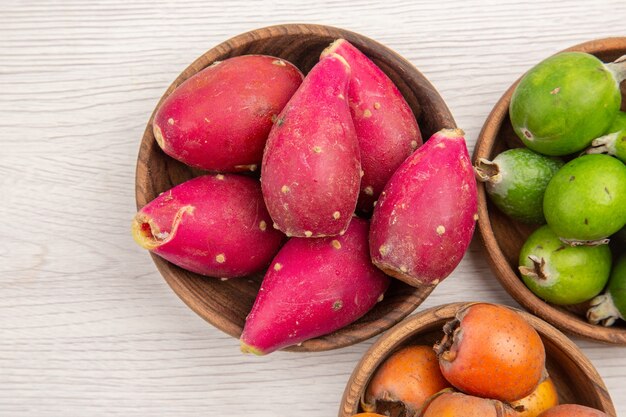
[87, 325]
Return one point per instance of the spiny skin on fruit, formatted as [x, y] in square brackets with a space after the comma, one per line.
[425, 217]
[516, 180]
[573, 410]
[585, 199]
[614, 141]
[311, 169]
[457, 404]
[491, 351]
[540, 400]
[409, 376]
[219, 119]
[385, 125]
[185, 225]
[560, 273]
[314, 287]
[564, 102]
[611, 306]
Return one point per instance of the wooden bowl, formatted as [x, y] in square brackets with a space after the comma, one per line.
[575, 378]
[503, 237]
[225, 304]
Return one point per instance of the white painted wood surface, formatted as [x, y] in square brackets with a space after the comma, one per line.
[87, 325]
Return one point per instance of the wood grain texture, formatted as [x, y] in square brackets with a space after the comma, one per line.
[504, 237]
[575, 378]
[87, 324]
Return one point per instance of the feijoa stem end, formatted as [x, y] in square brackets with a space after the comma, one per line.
[618, 68]
[603, 311]
[487, 171]
[604, 144]
[538, 269]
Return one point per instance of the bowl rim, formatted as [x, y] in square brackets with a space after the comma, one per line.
[337, 339]
[412, 325]
[508, 278]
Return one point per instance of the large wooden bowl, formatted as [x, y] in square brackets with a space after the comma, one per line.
[575, 378]
[503, 237]
[226, 304]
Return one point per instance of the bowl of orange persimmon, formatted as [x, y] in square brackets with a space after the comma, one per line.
[475, 359]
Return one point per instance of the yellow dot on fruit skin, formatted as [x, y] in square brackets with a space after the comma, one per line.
[377, 105]
[170, 121]
[221, 258]
[441, 230]
[476, 216]
[279, 62]
[336, 244]
[380, 297]
[341, 96]
[383, 249]
[403, 269]
[284, 189]
[336, 215]
[262, 225]
[308, 233]
[413, 144]
[367, 113]
[219, 177]
[251, 167]
[337, 305]
[369, 190]
[317, 149]
[275, 226]
[278, 266]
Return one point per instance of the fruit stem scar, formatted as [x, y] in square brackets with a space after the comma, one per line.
[487, 171]
[618, 68]
[442, 348]
[527, 134]
[602, 310]
[538, 269]
[574, 242]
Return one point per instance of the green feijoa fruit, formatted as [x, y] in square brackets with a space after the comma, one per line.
[614, 142]
[585, 200]
[516, 180]
[564, 102]
[610, 306]
[560, 273]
